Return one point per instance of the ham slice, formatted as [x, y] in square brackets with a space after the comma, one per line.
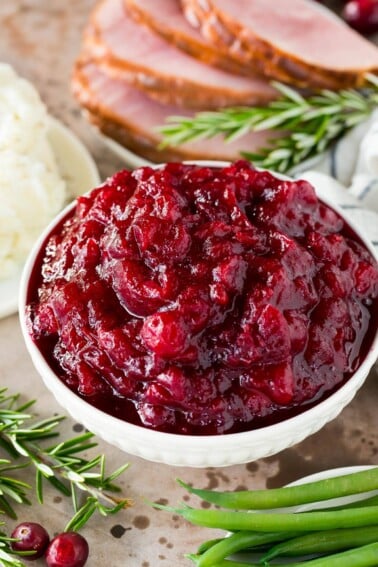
[130, 51]
[166, 18]
[129, 116]
[297, 41]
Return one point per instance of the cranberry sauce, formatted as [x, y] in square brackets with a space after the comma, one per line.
[203, 300]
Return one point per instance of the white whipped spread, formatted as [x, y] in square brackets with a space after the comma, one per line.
[32, 190]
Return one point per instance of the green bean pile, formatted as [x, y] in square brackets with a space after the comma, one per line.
[345, 535]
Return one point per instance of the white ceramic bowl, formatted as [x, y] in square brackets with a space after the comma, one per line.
[190, 450]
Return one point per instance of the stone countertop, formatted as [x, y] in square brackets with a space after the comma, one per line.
[41, 39]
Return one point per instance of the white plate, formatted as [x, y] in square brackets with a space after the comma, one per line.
[75, 163]
[130, 159]
[79, 170]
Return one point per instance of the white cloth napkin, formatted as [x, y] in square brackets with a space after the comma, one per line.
[348, 176]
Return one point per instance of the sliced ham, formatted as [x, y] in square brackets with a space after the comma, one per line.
[131, 51]
[293, 40]
[166, 18]
[129, 116]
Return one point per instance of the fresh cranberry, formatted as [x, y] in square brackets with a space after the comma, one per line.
[362, 15]
[68, 549]
[30, 536]
[203, 300]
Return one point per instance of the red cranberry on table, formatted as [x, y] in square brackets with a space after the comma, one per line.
[68, 549]
[30, 537]
[362, 15]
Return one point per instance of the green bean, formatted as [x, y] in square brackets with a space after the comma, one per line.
[365, 556]
[226, 563]
[237, 542]
[324, 542]
[345, 485]
[205, 545]
[222, 543]
[270, 522]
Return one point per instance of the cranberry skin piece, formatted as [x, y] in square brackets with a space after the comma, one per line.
[362, 15]
[68, 549]
[31, 537]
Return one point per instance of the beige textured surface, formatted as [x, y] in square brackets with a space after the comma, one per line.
[40, 39]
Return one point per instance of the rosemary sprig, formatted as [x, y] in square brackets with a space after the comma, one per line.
[61, 464]
[7, 555]
[306, 126]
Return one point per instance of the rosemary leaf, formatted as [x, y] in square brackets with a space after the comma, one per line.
[279, 119]
[59, 485]
[45, 470]
[117, 472]
[93, 463]
[73, 476]
[7, 508]
[75, 502]
[39, 486]
[288, 92]
[70, 443]
[82, 515]
[8, 561]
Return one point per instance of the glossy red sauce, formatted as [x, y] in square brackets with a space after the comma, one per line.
[203, 300]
